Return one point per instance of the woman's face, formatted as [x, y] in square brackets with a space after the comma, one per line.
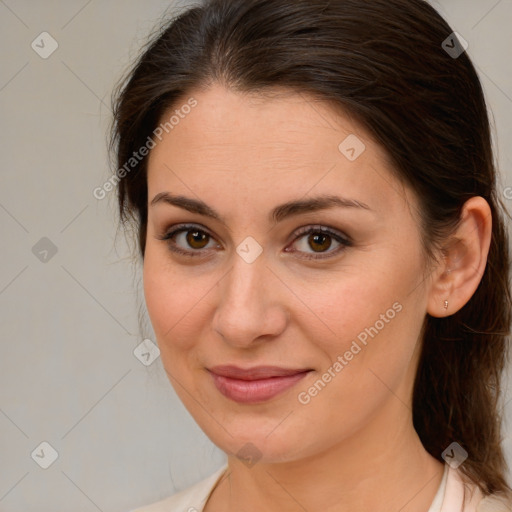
[329, 293]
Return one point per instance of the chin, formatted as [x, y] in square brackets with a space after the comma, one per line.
[254, 440]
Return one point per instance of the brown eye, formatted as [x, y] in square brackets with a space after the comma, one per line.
[188, 240]
[319, 242]
[197, 239]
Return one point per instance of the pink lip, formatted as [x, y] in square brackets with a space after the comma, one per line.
[254, 385]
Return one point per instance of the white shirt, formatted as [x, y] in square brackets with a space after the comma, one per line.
[449, 497]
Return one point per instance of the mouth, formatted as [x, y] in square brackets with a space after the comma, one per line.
[255, 385]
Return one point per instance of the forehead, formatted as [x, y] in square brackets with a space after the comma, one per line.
[283, 121]
[281, 144]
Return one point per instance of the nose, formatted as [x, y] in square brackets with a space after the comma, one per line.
[250, 308]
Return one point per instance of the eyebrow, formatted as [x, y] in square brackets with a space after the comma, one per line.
[279, 213]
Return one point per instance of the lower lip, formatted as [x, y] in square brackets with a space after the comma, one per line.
[255, 391]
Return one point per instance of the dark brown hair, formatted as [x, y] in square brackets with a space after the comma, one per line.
[383, 62]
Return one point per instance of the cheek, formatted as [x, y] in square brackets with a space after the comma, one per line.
[358, 305]
[175, 301]
[374, 322]
[164, 295]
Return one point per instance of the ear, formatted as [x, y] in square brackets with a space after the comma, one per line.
[456, 279]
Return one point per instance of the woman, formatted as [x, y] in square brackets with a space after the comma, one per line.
[324, 255]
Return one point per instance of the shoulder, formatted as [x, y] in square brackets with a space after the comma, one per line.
[191, 499]
[458, 487]
[494, 503]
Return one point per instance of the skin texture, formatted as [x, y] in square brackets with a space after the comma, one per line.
[352, 447]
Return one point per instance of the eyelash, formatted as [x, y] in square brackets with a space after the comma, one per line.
[183, 228]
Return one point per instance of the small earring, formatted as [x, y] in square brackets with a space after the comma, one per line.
[445, 304]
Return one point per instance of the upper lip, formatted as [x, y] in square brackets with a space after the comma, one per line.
[255, 373]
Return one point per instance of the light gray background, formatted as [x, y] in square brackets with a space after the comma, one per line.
[68, 375]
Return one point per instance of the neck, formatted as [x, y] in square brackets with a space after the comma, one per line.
[367, 471]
